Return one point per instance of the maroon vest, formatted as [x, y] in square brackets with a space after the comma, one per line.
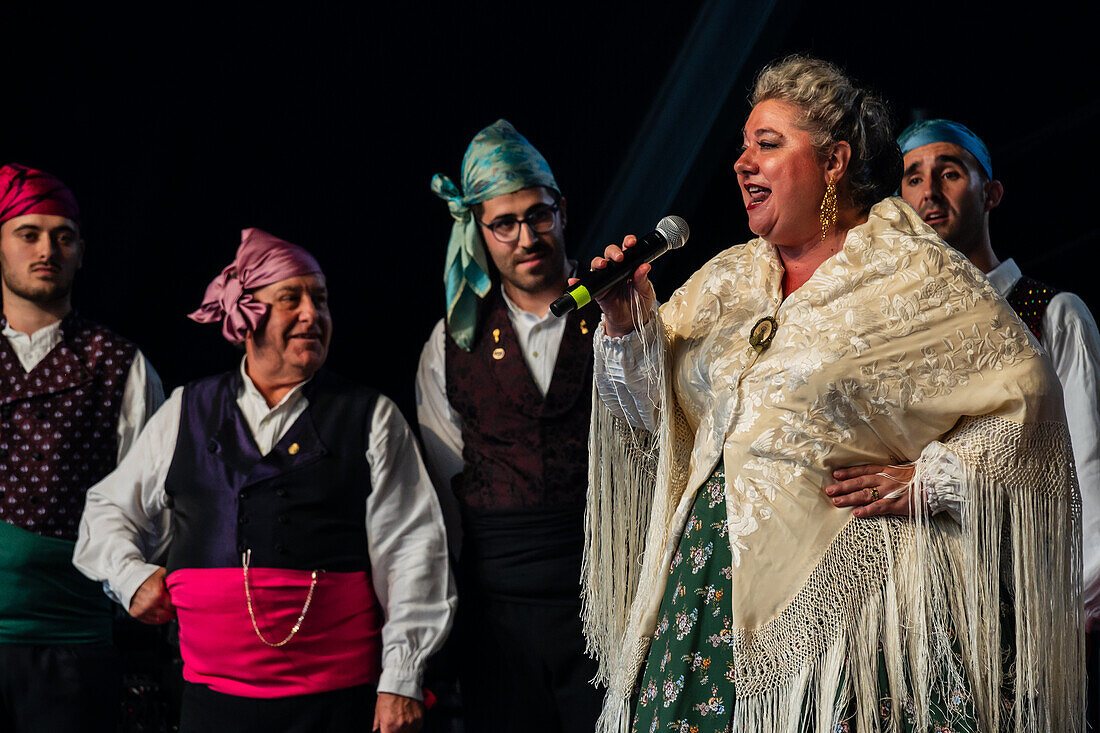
[521, 450]
[58, 426]
[1030, 298]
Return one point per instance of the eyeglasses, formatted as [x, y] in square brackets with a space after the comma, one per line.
[506, 229]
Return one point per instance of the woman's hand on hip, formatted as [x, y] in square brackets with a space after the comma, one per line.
[873, 490]
[616, 303]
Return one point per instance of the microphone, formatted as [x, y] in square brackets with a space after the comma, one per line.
[671, 233]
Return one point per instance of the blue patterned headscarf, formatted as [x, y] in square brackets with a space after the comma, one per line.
[927, 132]
[498, 161]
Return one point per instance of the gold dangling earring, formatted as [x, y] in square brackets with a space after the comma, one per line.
[828, 209]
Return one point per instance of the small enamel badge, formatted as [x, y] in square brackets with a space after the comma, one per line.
[584, 327]
[293, 449]
[498, 353]
[760, 338]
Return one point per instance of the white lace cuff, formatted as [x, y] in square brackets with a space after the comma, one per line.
[627, 377]
[943, 480]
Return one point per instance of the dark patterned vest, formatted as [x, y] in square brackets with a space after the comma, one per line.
[521, 450]
[1030, 298]
[300, 507]
[59, 426]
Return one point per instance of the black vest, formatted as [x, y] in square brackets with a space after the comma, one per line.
[300, 507]
[1030, 298]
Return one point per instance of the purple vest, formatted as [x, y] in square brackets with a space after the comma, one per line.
[521, 450]
[59, 426]
[301, 506]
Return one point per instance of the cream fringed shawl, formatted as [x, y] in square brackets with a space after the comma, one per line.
[897, 349]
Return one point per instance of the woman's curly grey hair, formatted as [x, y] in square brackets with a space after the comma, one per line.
[834, 109]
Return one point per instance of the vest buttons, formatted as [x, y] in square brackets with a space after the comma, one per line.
[280, 493]
[282, 519]
[242, 520]
[212, 445]
[243, 495]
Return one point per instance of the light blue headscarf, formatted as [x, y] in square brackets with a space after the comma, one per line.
[498, 161]
[927, 132]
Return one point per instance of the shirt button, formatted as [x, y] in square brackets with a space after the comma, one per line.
[243, 495]
[282, 519]
[279, 549]
[280, 493]
[242, 520]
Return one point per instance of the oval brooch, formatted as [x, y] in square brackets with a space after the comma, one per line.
[762, 333]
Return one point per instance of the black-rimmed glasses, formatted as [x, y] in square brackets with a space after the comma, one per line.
[506, 228]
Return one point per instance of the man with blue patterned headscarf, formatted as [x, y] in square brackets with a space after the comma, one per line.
[503, 398]
[948, 179]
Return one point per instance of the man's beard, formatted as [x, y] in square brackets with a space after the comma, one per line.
[44, 294]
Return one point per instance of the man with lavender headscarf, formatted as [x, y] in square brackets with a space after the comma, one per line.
[73, 397]
[305, 551]
[504, 398]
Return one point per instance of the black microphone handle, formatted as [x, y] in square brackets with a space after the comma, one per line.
[597, 282]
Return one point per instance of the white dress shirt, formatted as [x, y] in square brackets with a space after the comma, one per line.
[1070, 336]
[441, 427]
[141, 396]
[126, 523]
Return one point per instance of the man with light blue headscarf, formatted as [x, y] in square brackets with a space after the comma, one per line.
[948, 179]
[504, 398]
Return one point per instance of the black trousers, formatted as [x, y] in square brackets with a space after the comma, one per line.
[67, 688]
[336, 711]
[522, 668]
[1092, 673]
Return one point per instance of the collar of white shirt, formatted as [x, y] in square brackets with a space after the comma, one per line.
[32, 348]
[255, 406]
[1004, 277]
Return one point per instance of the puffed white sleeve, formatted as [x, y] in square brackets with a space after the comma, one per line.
[408, 553]
[141, 397]
[1071, 337]
[626, 373]
[126, 521]
[440, 430]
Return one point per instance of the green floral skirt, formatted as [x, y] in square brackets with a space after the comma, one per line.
[687, 685]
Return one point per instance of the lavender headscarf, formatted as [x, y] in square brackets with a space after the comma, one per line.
[262, 259]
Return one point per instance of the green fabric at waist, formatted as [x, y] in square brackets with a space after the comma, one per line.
[43, 598]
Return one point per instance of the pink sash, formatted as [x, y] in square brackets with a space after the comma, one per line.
[338, 645]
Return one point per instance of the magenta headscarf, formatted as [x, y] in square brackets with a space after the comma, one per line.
[27, 191]
[261, 260]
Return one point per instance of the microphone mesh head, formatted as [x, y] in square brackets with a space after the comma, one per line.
[675, 231]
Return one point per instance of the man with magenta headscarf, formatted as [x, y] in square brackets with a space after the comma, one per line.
[73, 397]
[504, 399]
[305, 554]
[948, 179]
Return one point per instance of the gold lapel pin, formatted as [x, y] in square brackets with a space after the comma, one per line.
[496, 335]
[584, 327]
[293, 449]
[498, 353]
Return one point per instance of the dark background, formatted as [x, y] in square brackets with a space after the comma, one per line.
[178, 126]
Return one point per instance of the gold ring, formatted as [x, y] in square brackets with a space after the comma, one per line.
[874, 493]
